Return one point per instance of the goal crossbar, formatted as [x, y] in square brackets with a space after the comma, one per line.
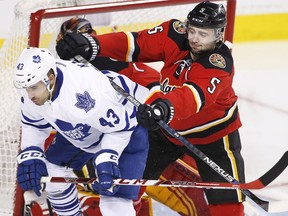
[36, 18]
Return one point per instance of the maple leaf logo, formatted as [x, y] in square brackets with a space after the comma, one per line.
[36, 59]
[84, 101]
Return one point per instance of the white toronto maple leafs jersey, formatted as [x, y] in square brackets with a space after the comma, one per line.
[86, 110]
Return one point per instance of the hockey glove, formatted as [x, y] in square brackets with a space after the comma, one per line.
[73, 44]
[31, 167]
[148, 116]
[106, 166]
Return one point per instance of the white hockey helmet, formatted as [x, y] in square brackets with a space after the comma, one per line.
[32, 66]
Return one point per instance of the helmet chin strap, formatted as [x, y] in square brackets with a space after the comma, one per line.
[50, 90]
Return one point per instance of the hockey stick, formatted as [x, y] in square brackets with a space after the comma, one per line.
[259, 183]
[196, 151]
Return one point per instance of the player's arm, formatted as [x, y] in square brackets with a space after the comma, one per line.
[31, 159]
[184, 101]
[35, 129]
[115, 118]
[105, 161]
[142, 46]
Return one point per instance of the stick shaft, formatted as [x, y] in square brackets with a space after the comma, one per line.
[159, 183]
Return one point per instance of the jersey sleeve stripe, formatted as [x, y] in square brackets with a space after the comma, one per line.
[133, 115]
[230, 115]
[125, 87]
[131, 46]
[45, 126]
[127, 127]
[152, 85]
[30, 120]
[198, 95]
[135, 89]
[153, 91]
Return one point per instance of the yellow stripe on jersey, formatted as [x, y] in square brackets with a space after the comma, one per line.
[233, 163]
[86, 174]
[131, 46]
[85, 171]
[153, 91]
[192, 169]
[211, 124]
[196, 97]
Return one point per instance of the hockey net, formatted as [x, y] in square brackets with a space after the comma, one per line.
[37, 23]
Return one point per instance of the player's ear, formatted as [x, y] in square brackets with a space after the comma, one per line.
[51, 77]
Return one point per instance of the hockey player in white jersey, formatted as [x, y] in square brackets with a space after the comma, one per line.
[79, 103]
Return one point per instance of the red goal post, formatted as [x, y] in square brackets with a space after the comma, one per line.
[36, 24]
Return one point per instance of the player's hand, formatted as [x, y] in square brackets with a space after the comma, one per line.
[73, 44]
[31, 167]
[148, 116]
[106, 166]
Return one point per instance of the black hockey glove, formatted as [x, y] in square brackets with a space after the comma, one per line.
[148, 116]
[73, 44]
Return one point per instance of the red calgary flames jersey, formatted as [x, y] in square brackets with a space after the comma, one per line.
[201, 91]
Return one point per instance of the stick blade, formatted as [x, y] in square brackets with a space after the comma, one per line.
[275, 171]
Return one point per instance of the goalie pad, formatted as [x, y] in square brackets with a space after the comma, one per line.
[185, 201]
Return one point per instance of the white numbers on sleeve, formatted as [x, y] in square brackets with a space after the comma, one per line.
[214, 81]
[155, 30]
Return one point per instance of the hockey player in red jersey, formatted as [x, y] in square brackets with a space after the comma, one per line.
[196, 97]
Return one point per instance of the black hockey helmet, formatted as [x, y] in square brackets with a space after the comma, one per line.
[207, 15]
[76, 25]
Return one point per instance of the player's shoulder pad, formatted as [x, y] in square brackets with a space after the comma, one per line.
[177, 32]
[220, 58]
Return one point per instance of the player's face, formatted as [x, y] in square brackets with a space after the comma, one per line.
[201, 40]
[84, 29]
[38, 93]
